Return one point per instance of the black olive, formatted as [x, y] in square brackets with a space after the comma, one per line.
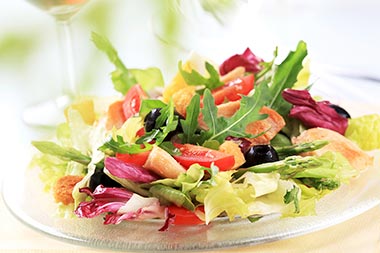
[259, 154]
[100, 178]
[342, 112]
[150, 119]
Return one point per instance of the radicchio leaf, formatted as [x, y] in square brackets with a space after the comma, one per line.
[129, 171]
[119, 204]
[137, 208]
[248, 60]
[312, 113]
[104, 200]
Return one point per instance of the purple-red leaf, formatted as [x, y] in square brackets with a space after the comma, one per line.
[129, 171]
[312, 113]
[104, 200]
[119, 204]
[137, 208]
[248, 60]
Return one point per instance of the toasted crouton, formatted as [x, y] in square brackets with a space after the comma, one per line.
[63, 189]
[270, 126]
[359, 159]
[230, 147]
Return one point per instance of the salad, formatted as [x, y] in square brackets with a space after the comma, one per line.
[239, 140]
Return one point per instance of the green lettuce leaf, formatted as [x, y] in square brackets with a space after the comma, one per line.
[148, 78]
[365, 131]
[226, 197]
[185, 181]
[284, 76]
[122, 77]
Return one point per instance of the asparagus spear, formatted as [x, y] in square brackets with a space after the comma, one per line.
[287, 167]
[296, 149]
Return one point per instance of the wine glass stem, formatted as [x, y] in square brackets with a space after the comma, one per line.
[69, 86]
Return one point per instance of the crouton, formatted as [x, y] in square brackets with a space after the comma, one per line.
[63, 189]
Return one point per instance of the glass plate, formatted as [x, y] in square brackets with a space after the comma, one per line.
[23, 195]
[32, 206]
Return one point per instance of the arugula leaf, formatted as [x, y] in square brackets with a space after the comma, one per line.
[113, 146]
[267, 67]
[221, 127]
[284, 77]
[121, 77]
[292, 196]
[190, 124]
[169, 147]
[64, 153]
[195, 78]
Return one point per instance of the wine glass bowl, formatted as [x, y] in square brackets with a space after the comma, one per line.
[61, 9]
[47, 113]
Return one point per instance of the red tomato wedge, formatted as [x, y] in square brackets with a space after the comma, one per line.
[132, 101]
[233, 90]
[138, 159]
[191, 154]
[182, 216]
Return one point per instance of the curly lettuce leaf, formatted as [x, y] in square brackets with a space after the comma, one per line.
[365, 131]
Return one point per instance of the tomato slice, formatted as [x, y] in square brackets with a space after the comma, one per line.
[233, 90]
[182, 216]
[132, 101]
[138, 159]
[191, 154]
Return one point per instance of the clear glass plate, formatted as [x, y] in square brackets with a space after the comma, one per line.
[23, 195]
[32, 206]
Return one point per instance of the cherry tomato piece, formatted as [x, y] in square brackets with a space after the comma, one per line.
[191, 154]
[182, 216]
[138, 159]
[132, 101]
[233, 90]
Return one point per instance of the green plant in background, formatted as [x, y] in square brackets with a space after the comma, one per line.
[219, 8]
[17, 46]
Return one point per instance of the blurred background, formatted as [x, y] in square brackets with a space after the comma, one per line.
[342, 37]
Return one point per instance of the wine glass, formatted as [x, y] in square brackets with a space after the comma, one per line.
[50, 113]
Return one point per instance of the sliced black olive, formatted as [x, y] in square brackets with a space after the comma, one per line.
[100, 178]
[150, 119]
[259, 154]
[340, 111]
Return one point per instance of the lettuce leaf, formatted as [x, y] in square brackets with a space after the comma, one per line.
[365, 131]
[227, 197]
[122, 77]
